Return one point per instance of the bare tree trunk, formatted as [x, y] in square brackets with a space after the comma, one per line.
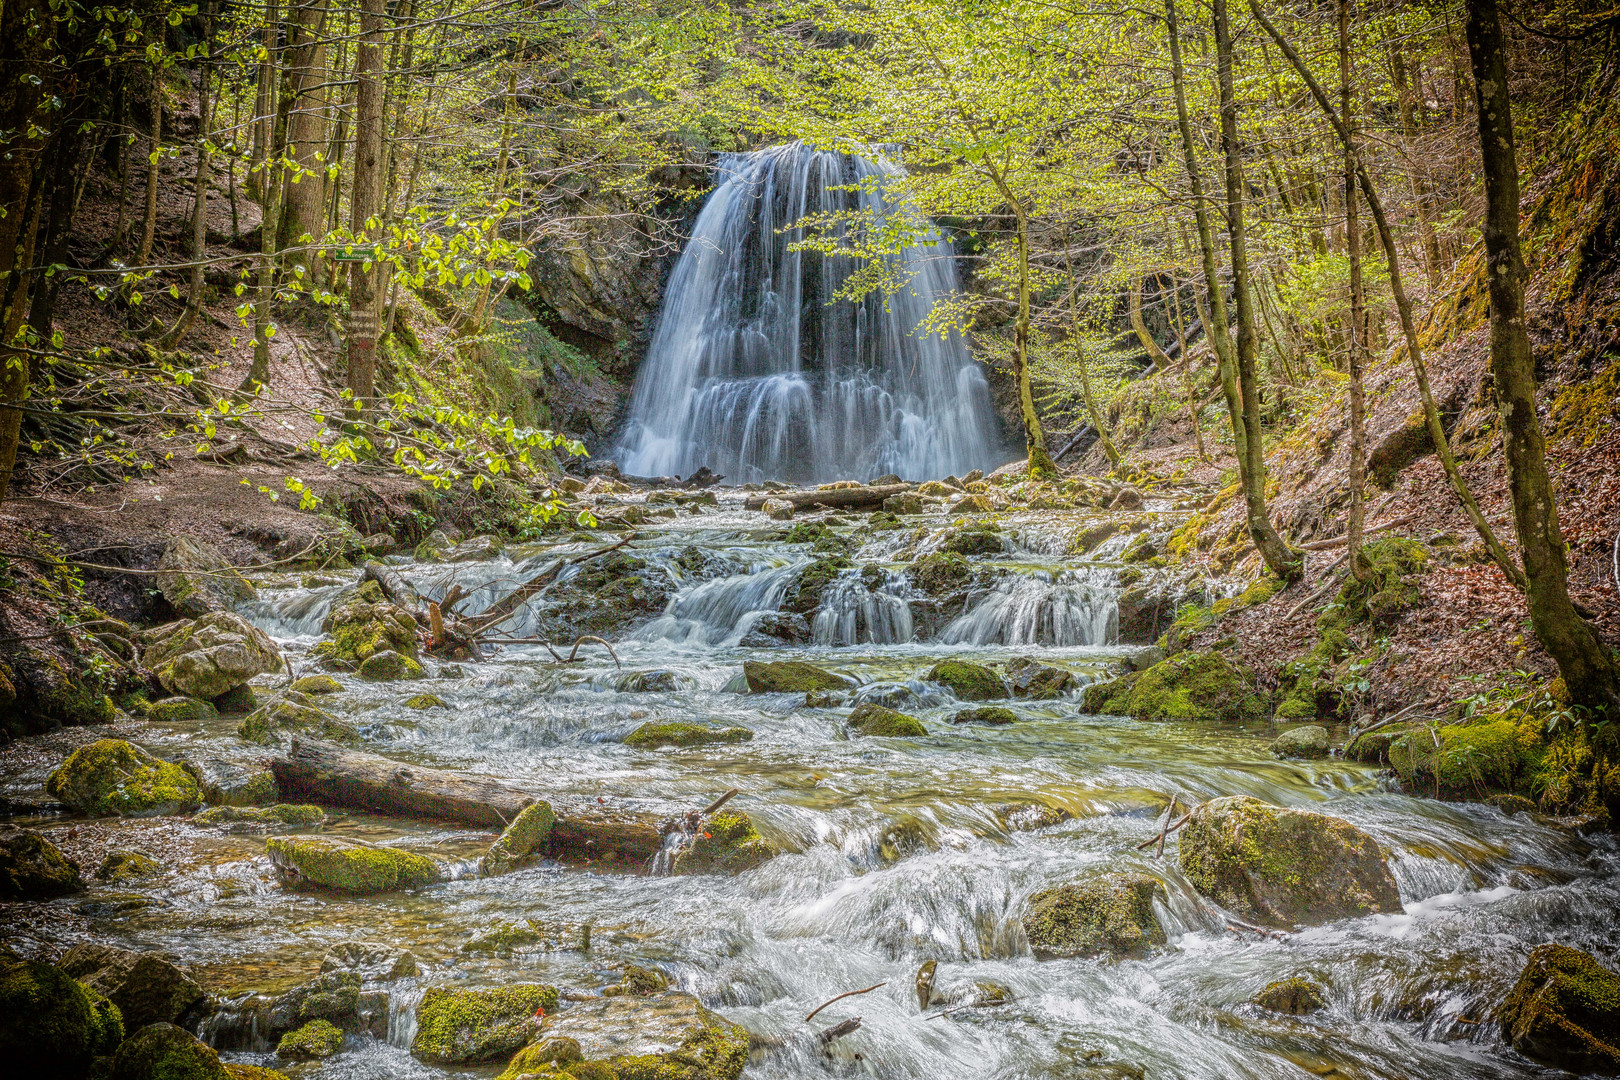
[303, 199]
[1097, 422]
[1186, 365]
[1586, 664]
[363, 199]
[1359, 565]
[1422, 190]
[149, 224]
[1157, 360]
[199, 210]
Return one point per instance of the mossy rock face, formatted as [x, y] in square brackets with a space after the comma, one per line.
[728, 843]
[1196, 686]
[668, 1036]
[147, 988]
[1565, 1011]
[33, 868]
[677, 733]
[166, 1052]
[968, 681]
[238, 1071]
[790, 677]
[985, 714]
[804, 595]
[974, 540]
[121, 866]
[1109, 698]
[48, 684]
[526, 835]
[315, 685]
[1307, 741]
[1372, 747]
[348, 866]
[113, 778]
[315, 1041]
[181, 708]
[940, 574]
[871, 719]
[1472, 761]
[363, 623]
[1294, 996]
[426, 701]
[1396, 562]
[465, 1027]
[50, 1026]
[1037, 681]
[210, 656]
[333, 996]
[1109, 914]
[196, 579]
[280, 816]
[1085, 540]
[1285, 867]
[291, 713]
[542, 1058]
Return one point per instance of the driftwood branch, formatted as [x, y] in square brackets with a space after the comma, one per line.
[721, 801]
[1168, 829]
[508, 605]
[841, 997]
[839, 497]
[838, 1031]
[573, 655]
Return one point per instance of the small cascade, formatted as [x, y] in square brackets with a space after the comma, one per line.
[663, 860]
[852, 613]
[235, 1025]
[403, 998]
[721, 609]
[1077, 607]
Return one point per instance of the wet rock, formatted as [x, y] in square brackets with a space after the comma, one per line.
[315, 1041]
[165, 1052]
[1294, 996]
[543, 1058]
[870, 719]
[1145, 657]
[465, 1027]
[523, 935]
[666, 1037]
[147, 988]
[1372, 747]
[33, 868]
[1109, 914]
[172, 709]
[315, 685]
[237, 1071]
[778, 509]
[790, 677]
[968, 681]
[638, 982]
[48, 683]
[363, 623]
[51, 1027]
[526, 835]
[372, 961]
[1512, 804]
[422, 702]
[677, 733]
[121, 866]
[727, 844]
[234, 783]
[1089, 538]
[777, 628]
[940, 573]
[1565, 1011]
[196, 579]
[608, 596]
[281, 816]
[1306, 741]
[113, 778]
[210, 656]
[905, 503]
[803, 597]
[291, 713]
[477, 549]
[1037, 681]
[1145, 613]
[1471, 760]
[348, 865]
[237, 700]
[662, 681]
[974, 540]
[1029, 816]
[1284, 867]
[937, 489]
[434, 544]
[1189, 686]
[987, 714]
[332, 996]
[924, 983]
[389, 666]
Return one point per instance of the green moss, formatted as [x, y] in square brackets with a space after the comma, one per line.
[505, 938]
[1109, 698]
[1196, 686]
[347, 866]
[1109, 914]
[591, 1070]
[1396, 562]
[969, 682]
[236, 1071]
[1470, 760]
[293, 713]
[111, 777]
[804, 596]
[173, 709]
[1261, 591]
[238, 699]
[121, 866]
[460, 1027]
[1293, 995]
[870, 719]
[1565, 1011]
[974, 540]
[728, 843]
[638, 982]
[940, 573]
[388, 666]
[790, 677]
[363, 624]
[285, 814]
[677, 733]
[51, 1025]
[166, 1052]
[314, 1041]
[986, 714]
[317, 684]
[718, 1050]
[540, 1058]
[526, 835]
[426, 701]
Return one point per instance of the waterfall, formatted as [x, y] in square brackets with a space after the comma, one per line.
[852, 614]
[756, 372]
[1077, 608]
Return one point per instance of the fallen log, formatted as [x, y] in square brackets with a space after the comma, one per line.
[843, 498]
[508, 605]
[396, 588]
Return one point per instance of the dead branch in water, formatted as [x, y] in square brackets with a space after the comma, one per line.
[838, 1031]
[1168, 829]
[509, 605]
[721, 801]
[841, 997]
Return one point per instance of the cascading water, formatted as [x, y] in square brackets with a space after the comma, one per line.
[758, 372]
[1071, 608]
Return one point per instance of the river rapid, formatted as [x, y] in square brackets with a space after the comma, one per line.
[897, 850]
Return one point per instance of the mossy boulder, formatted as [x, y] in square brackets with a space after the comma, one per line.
[868, 718]
[1467, 761]
[1285, 867]
[727, 843]
[790, 677]
[165, 1052]
[113, 778]
[1372, 747]
[363, 623]
[1306, 741]
[968, 681]
[677, 733]
[290, 713]
[146, 987]
[543, 1058]
[279, 816]
[1037, 681]
[33, 868]
[1294, 995]
[389, 666]
[196, 579]
[426, 701]
[210, 656]
[1110, 914]
[179, 708]
[315, 685]
[1565, 1011]
[607, 596]
[1194, 686]
[639, 981]
[237, 1071]
[349, 866]
[985, 714]
[121, 866]
[227, 782]
[51, 1027]
[940, 573]
[465, 1027]
[527, 834]
[668, 1036]
[973, 540]
[804, 595]
[315, 1041]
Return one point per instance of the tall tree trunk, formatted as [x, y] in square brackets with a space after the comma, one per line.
[363, 204]
[264, 102]
[1040, 462]
[1157, 360]
[303, 200]
[1097, 422]
[1359, 566]
[1586, 664]
[1284, 562]
[1422, 190]
[143, 257]
[199, 208]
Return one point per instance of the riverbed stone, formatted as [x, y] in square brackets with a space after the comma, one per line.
[196, 579]
[526, 835]
[790, 677]
[727, 843]
[1306, 741]
[475, 549]
[373, 961]
[1565, 1011]
[364, 622]
[1285, 867]
[315, 1041]
[940, 573]
[466, 1027]
[543, 1058]
[279, 816]
[51, 1026]
[147, 987]
[124, 865]
[180, 708]
[669, 1036]
[423, 702]
[348, 865]
[607, 596]
[868, 718]
[777, 628]
[315, 685]
[113, 778]
[389, 666]
[1112, 913]
[333, 996]
[778, 509]
[679, 733]
[290, 713]
[1029, 816]
[1037, 681]
[985, 714]
[973, 539]
[33, 868]
[227, 782]
[165, 1052]
[968, 681]
[1294, 995]
[210, 656]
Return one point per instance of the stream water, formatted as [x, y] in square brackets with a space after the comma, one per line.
[896, 851]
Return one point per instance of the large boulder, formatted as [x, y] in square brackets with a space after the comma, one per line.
[389, 666]
[868, 718]
[1037, 681]
[226, 782]
[350, 866]
[332, 996]
[146, 988]
[728, 844]
[51, 1027]
[262, 818]
[1111, 914]
[315, 1041]
[197, 580]
[1305, 741]
[1565, 1011]
[364, 622]
[290, 713]
[790, 677]
[32, 868]
[113, 778]
[1189, 686]
[667, 1036]
[210, 656]
[968, 681]
[465, 1027]
[1285, 867]
[166, 1052]
[606, 597]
